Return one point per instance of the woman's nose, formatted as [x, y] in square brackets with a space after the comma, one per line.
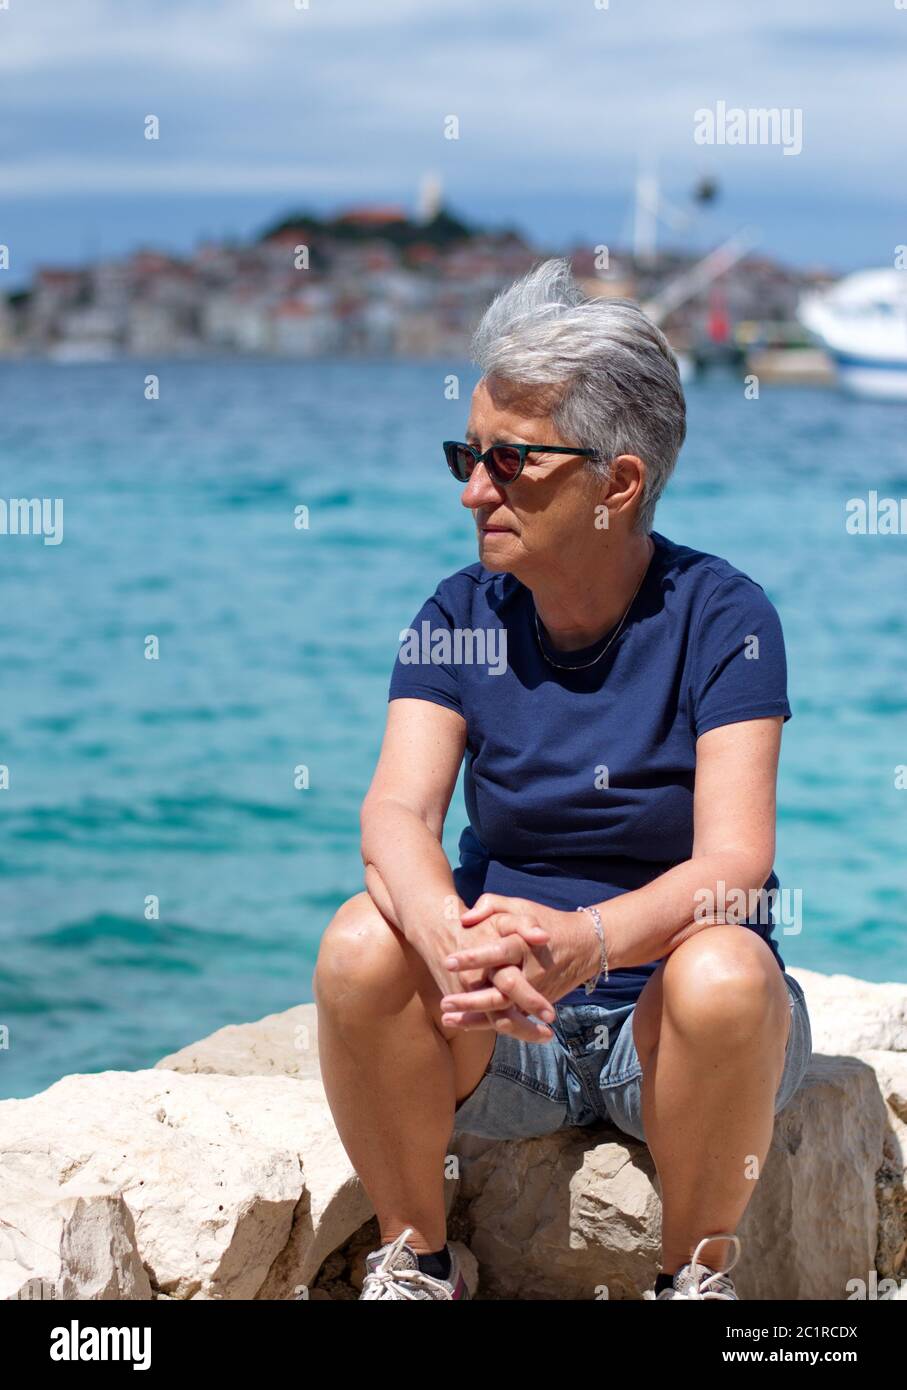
[481, 490]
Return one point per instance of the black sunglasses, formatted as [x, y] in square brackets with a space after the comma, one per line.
[504, 462]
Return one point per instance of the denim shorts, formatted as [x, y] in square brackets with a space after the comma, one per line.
[588, 1073]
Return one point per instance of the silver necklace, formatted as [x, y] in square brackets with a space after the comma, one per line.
[581, 666]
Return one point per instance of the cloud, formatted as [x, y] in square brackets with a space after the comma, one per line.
[352, 94]
[111, 176]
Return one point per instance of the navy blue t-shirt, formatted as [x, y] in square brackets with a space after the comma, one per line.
[579, 783]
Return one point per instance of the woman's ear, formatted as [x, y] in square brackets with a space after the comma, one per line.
[628, 480]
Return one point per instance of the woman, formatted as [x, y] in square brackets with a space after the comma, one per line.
[619, 700]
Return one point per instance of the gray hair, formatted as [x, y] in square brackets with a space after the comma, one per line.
[623, 385]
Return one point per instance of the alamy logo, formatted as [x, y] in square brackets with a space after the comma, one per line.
[769, 907]
[457, 646]
[75, 1343]
[876, 516]
[32, 516]
[753, 125]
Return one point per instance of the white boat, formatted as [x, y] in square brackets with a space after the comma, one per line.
[862, 322]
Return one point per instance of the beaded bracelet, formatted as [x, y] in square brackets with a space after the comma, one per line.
[603, 964]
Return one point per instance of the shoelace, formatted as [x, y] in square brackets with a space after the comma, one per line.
[387, 1281]
[716, 1284]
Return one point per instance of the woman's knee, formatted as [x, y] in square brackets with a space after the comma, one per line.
[360, 954]
[723, 982]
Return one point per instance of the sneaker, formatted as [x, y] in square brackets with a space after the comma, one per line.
[393, 1272]
[695, 1280]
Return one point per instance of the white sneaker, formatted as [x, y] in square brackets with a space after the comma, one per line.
[393, 1272]
[695, 1280]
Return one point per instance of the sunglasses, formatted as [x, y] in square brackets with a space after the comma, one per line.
[503, 462]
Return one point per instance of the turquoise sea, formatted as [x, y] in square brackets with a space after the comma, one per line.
[174, 778]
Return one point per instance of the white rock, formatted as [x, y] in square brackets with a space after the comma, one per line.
[284, 1044]
[69, 1245]
[569, 1216]
[219, 1174]
[213, 1171]
[813, 1222]
[891, 1072]
[848, 1015]
[575, 1213]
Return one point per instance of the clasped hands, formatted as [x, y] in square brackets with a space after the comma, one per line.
[538, 956]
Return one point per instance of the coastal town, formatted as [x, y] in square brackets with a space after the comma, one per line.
[383, 281]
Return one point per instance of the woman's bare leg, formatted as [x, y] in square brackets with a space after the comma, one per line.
[710, 1027]
[391, 1072]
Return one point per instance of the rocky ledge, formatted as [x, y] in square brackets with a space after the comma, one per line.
[218, 1173]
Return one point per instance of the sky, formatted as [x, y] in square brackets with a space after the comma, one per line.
[266, 106]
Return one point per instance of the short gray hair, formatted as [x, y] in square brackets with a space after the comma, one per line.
[623, 385]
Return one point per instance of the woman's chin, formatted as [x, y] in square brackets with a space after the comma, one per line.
[497, 551]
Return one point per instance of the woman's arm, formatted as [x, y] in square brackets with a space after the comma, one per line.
[402, 817]
[733, 846]
[407, 873]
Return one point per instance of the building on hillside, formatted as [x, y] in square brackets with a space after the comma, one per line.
[299, 329]
[237, 321]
